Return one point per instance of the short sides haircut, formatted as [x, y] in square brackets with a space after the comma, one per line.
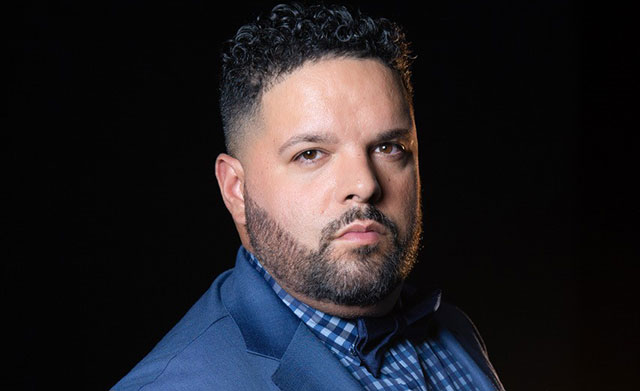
[278, 43]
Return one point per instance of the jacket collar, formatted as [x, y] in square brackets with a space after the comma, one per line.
[457, 332]
[266, 324]
[309, 365]
[271, 330]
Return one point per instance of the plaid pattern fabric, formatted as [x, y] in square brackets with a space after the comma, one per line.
[427, 366]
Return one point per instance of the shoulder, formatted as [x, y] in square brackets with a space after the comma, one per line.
[204, 349]
[454, 320]
[458, 323]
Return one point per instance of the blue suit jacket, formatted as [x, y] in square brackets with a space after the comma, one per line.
[240, 336]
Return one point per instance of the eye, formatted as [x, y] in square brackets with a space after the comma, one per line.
[309, 156]
[390, 148]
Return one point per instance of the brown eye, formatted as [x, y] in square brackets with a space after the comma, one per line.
[309, 155]
[390, 148]
[386, 148]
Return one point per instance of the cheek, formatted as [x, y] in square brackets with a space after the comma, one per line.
[401, 195]
[300, 208]
[306, 194]
[399, 183]
[306, 207]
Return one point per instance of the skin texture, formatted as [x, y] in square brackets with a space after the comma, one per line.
[330, 168]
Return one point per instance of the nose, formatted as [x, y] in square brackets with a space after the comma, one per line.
[357, 180]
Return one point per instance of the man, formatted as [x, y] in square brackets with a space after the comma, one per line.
[321, 179]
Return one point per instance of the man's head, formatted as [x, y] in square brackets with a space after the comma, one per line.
[263, 52]
[324, 185]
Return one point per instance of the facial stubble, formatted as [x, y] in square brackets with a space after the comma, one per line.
[361, 276]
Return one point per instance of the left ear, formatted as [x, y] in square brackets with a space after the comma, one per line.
[230, 175]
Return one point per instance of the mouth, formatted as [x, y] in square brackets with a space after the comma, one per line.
[361, 232]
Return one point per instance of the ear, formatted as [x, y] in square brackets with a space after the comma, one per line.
[230, 175]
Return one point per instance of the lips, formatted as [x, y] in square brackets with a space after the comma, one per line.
[361, 232]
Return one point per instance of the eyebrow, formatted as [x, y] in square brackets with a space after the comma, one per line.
[308, 138]
[393, 134]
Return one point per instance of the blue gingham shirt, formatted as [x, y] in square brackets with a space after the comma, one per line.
[426, 366]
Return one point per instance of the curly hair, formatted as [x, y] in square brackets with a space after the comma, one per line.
[276, 44]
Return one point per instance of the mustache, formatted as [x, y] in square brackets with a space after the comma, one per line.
[369, 212]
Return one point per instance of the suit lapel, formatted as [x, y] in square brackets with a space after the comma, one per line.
[271, 330]
[266, 324]
[308, 365]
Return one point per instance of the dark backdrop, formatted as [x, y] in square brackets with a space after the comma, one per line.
[115, 225]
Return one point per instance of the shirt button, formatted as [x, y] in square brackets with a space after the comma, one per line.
[352, 350]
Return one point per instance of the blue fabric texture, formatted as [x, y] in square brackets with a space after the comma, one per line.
[241, 336]
[427, 365]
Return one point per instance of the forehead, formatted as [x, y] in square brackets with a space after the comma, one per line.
[338, 95]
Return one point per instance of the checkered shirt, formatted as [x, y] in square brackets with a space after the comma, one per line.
[426, 366]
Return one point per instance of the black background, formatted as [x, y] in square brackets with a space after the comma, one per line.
[114, 223]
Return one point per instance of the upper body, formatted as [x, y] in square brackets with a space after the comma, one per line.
[241, 336]
[322, 181]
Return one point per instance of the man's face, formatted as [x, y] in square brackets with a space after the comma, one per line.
[331, 182]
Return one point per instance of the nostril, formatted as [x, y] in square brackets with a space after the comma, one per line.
[369, 193]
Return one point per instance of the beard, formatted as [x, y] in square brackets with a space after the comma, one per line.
[361, 276]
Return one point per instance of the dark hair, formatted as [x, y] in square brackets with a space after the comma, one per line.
[280, 42]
